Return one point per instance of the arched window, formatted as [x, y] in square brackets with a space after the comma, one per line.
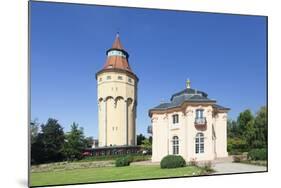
[175, 145]
[199, 143]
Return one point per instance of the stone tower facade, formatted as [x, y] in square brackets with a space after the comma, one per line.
[117, 99]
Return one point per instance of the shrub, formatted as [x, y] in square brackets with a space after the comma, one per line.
[235, 152]
[193, 162]
[239, 158]
[236, 145]
[122, 161]
[172, 161]
[207, 167]
[257, 154]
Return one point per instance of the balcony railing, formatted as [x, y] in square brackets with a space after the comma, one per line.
[200, 123]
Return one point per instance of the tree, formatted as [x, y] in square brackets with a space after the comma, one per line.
[150, 139]
[34, 131]
[260, 126]
[74, 143]
[245, 123]
[140, 138]
[232, 129]
[53, 140]
[89, 141]
[146, 145]
[49, 143]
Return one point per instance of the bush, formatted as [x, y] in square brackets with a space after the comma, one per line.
[123, 161]
[239, 158]
[235, 145]
[207, 167]
[257, 154]
[193, 162]
[172, 161]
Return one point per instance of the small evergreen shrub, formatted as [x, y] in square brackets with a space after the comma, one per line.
[257, 154]
[122, 161]
[172, 161]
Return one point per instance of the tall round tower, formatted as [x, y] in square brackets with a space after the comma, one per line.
[117, 99]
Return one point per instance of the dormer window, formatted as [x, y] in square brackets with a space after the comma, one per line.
[175, 119]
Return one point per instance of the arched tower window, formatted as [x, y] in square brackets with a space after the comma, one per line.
[175, 145]
[199, 143]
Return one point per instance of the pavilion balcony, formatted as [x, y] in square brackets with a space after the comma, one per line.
[201, 123]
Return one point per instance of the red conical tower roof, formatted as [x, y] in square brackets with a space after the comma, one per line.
[117, 43]
[117, 57]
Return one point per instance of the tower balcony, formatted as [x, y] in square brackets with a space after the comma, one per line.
[200, 123]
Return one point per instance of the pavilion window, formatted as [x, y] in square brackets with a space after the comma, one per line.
[175, 118]
[175, 145]
[199, 143]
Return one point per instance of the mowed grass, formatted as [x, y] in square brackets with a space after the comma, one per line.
[109, 174]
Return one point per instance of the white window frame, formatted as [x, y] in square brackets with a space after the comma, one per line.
[199, 143]
[174, 122]
[175, 145]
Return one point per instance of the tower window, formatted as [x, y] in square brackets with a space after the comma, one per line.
[130, 80]
[100, 79]
[120, 78]
[108, 77]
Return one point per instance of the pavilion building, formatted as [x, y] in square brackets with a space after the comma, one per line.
[190, 125]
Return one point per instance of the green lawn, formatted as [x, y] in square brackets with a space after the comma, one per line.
[109, 174]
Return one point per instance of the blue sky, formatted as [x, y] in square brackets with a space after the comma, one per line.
[223, 55]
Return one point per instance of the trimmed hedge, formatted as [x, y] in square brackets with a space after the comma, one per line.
[257, 154]
[172, 161]
[123, 161]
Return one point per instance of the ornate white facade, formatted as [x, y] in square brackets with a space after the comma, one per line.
[191, 125]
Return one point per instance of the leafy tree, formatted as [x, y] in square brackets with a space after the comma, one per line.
[146, 145]
[53, 140]
[232, 129]
[248, 132]
[49, 143]
[74, 143]
[140, 138]
[89, 141]
[150, 139]
[245, 123]
[260, 126]
[34, 131]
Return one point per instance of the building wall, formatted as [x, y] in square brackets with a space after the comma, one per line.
[116, 112]
[164, 130]
[208, 145]
[160, 136]
[221, 134]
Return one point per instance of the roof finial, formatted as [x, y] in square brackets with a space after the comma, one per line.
[117, 34]
[188, 83]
